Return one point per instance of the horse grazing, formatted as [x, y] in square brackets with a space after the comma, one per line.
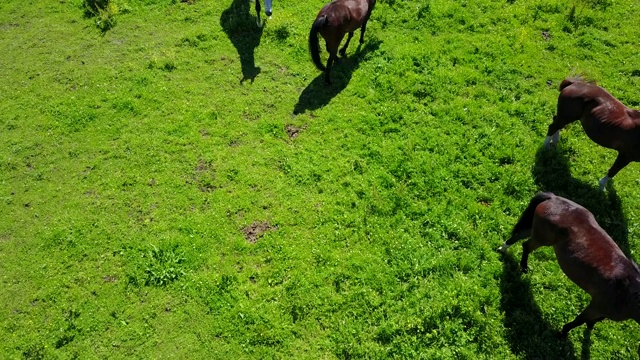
[267, 11]
[604, 119]
[333, 21]
[586, 254]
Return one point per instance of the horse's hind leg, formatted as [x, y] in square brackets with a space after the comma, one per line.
[553, 132]
[333, 42]
[621, 162]
[589, 316]
[343, 51]
[327, 74]
[513, 239]
[527, 247]
[568, 110]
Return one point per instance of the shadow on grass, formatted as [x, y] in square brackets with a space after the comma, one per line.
[586, 345]
[245, 35]
[552, 173]
[318, 94]
[529, 335]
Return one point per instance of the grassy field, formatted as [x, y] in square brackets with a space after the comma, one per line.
[182, 184]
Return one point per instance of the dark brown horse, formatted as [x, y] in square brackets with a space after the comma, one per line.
[335, 20]
[604, 119]
[586, 254]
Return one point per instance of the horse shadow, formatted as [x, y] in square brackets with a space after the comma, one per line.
[318, 94]
[244, 34]
[529, 335]
[552, 172]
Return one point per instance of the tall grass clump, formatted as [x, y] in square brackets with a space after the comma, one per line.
[104, 12]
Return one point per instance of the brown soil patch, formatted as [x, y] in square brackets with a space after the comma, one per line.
[204, 176]
[293, 131]
[254, 231]
[546, 35]
[109, 278]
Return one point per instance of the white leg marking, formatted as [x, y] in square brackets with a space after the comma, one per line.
[552, 140]
[504, 247]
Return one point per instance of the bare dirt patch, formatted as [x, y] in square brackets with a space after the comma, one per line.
[546, 35]
[294, 131]
[109, 278]
[254, 231]
[204, 176]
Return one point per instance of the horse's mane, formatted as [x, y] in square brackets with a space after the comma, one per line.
[575, 79]
[582, 78]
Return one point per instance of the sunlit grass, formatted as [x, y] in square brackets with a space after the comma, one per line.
[182, 184]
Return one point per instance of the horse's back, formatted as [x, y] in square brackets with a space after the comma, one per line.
[346, 14]
[605, 119]
[585, 252]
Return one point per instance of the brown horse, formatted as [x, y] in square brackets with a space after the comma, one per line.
[335, 20]
[586, 254]
[604, 119]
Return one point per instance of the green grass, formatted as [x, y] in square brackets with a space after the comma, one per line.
[134, 159]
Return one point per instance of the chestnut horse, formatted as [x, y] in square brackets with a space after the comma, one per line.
[335, 20]
[604, 119]
[586, 254]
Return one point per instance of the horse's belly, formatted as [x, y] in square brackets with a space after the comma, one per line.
[602, 135]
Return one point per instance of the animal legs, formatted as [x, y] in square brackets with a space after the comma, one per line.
[553, 132]
[621, 162]
[527, 247]
[513, 239]
[588, 316]
[343, 51]
[362, 30]
[327, 73]
[333, 43]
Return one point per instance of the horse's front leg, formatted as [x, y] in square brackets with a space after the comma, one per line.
[621, 162]
[343, 51]
[362, 30]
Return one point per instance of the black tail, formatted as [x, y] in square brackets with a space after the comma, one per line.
[314, 45]
[522, 228]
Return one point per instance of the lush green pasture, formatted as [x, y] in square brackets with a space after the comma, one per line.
[183, 185]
